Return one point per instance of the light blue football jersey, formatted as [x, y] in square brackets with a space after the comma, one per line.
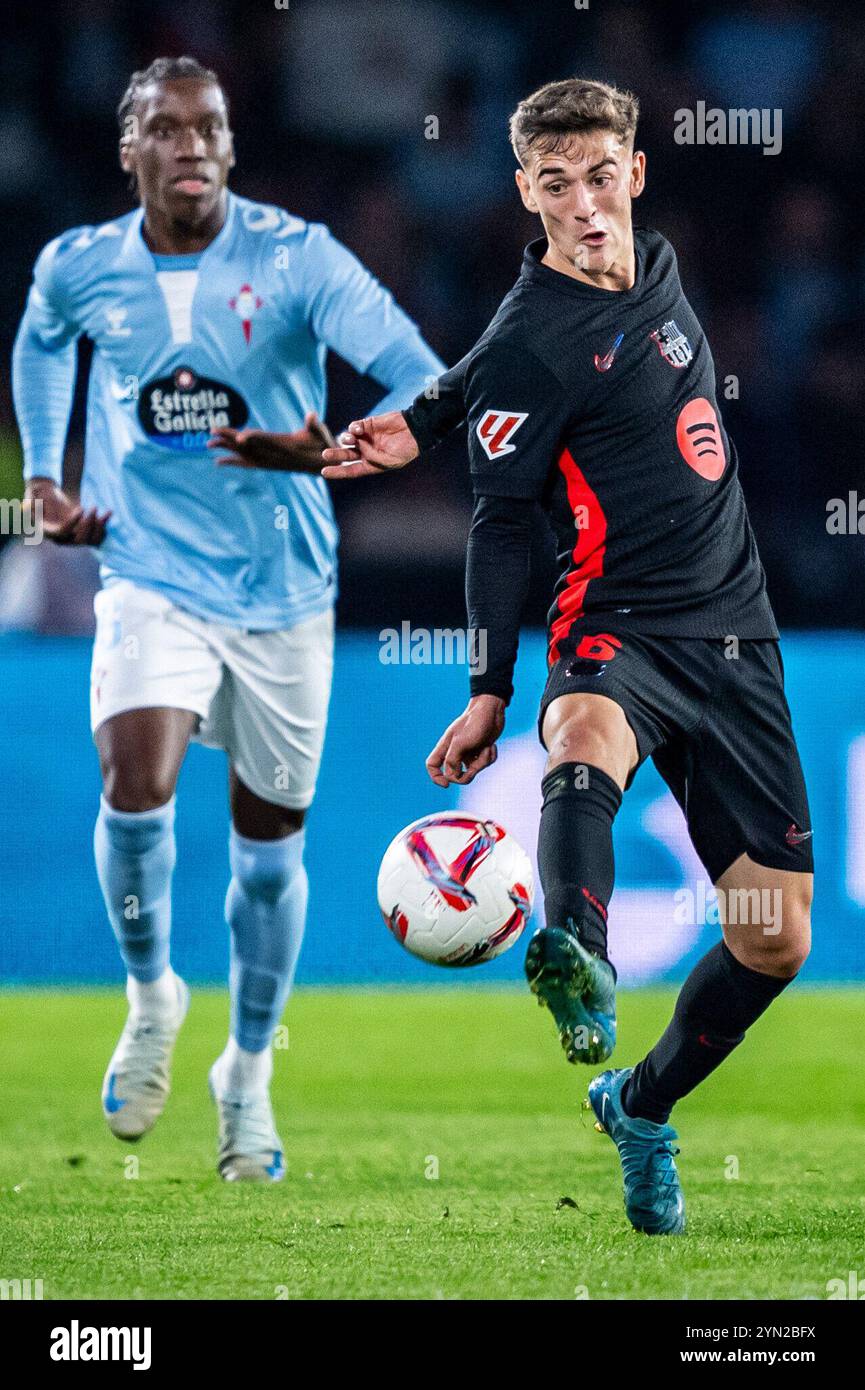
[237, 335]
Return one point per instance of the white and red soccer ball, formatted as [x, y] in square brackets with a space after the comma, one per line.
[455, 890]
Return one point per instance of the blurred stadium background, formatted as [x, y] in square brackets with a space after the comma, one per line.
[330, 100]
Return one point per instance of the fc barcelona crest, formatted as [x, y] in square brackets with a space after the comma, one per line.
[672, 344]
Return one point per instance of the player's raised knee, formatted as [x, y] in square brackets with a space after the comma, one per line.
[590, 729]
[782, 955]
[791, 946]
[779, 942]
[796, 931]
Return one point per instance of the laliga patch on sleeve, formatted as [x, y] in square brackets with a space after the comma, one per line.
[495, 430]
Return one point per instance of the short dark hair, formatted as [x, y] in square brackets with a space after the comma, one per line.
[163, 70]
[558, 110]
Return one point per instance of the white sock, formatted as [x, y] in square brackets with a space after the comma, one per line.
[243, 1073]
[157, 999]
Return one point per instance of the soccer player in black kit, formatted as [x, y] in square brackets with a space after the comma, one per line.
[592, 394]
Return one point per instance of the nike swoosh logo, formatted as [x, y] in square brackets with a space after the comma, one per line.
[795, 836]
[112, 1103]
[603, 364]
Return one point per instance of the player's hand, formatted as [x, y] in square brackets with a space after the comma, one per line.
[63, 521]
[468, 745]
[299, 452]
[378, 444]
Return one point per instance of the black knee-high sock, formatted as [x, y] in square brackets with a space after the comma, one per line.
[719, 1001]
[575, 850]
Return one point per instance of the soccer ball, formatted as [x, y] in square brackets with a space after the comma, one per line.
[455, 890]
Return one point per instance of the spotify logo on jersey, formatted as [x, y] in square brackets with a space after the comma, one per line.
[179, 411]
[698, 435]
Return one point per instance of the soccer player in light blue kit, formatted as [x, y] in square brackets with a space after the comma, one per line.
[208, 313]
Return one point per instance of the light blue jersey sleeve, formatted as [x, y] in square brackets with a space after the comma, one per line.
[354, 315]
[43, 366]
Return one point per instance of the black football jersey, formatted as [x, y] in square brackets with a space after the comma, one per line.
[601, 406]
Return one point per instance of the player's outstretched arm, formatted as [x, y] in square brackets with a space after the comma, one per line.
[377, 444]
[382, 443]
[385, 442]
[468, 745]
[63, 521]
[298, 452]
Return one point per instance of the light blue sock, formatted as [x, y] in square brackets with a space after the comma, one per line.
[135, 854]
[265, 909]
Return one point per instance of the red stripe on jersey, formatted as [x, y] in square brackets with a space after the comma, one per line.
[587, 556]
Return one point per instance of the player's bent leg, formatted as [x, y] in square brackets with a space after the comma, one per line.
[729, 989]
[763, 949]
[767, 916]
[266, 912]
[141, 752]
[592, 751]
[273, 733]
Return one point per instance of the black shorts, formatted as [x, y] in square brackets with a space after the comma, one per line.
[715, 721]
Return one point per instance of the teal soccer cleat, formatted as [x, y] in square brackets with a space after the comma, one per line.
[579, 989]
[653, 1196]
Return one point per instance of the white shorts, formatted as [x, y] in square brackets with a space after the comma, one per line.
[262, 696]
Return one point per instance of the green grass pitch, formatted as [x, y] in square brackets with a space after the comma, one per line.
[429, 1138]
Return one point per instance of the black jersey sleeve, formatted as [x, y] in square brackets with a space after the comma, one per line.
[517, 413]
[497, 579]
[438, 409]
